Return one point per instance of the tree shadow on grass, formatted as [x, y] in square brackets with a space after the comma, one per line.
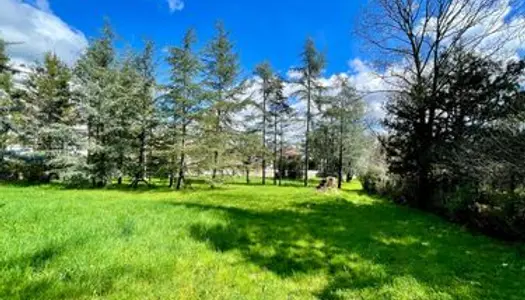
[357, 246]
[33, 275]
[125, 188]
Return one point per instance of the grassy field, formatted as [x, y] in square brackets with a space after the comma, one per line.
[241, 242]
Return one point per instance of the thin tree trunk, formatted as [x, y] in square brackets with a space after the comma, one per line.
[215, 161]
[182, 156]
[265, 95]
[307, 141]
[216, 153]
[140, 175]
[281, 155]
[247, 175]
[340, 163]
[171, 180]
[275, 150]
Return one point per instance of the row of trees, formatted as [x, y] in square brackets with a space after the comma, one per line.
[107, 118]
[455, 134]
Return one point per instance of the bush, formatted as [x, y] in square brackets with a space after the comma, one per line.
[391, 187]
[497, 214]
[370, 182]
[76, 180]
[29, 167]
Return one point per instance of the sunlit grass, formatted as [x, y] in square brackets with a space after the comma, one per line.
[240, 242]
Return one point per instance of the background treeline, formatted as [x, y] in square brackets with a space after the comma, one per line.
[455, 141]
[107, 119]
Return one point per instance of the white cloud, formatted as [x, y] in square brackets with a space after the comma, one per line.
[368, 84]
[371, 86]
[500, 34]
[43, 5]
[499, 30]
[36, 30]
[175, 5]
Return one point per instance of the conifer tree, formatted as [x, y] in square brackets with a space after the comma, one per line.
[52, 114]
[125, 114]
[347, 110]
[224, 93]
[6, 102]
[265, 74]
[96, 79]
[184, 101]
[144, 110]
[313, 63]
[279, 109]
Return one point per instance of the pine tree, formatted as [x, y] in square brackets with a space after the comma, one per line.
[313, 63]
[145, 111]
[96, 79]
[123, 107]
[265, 73]
[248, 148]
[224, 92]
[6, 102]
[347, 110]
[51, 113]
[280, 111]
[184, 100]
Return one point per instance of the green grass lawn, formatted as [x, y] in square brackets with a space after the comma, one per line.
[241, 242]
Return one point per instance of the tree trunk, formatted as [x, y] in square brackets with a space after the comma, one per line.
[182, 157]
[349, 175]
[171, 180]
[141, 173]
[275, 150]
[307, 141]
[247, 175]
[215, 162]
[265, 95]
[340, 162]
[216, 153]
[281, 154]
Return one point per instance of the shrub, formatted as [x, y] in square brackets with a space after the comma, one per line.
[497, 214]
[76, 180]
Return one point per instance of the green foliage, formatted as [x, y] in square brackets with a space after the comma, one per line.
[224, 95]
[96, 77]
[265, 73]
[51, 114]
[183, 106]
[466, 140]
[338, 138]
[144, 116]
[313, 63]
[7, 105]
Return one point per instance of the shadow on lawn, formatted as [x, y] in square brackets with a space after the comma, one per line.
[29, 276]
[153, 188]
[357, 246]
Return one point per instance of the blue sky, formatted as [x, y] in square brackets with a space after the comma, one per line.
[273, 29]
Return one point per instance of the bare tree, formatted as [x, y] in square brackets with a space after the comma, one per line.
[412, 39]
